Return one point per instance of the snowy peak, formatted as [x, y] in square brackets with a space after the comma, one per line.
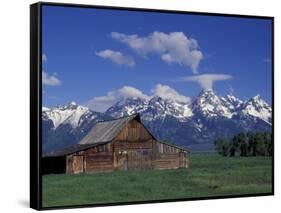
[236, 102]
[157, 109]
[209, 104]
[258, 102]
[231, 102]
[44, 109]
[257, 107]
[69, 114]
[72, 105]
[127, 106]
[163, 107]
[207, 96]
[158, 104]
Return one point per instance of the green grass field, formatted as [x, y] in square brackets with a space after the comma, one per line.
[208, 175]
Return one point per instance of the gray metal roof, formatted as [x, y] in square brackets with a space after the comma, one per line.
[105, 131]
[70, 150]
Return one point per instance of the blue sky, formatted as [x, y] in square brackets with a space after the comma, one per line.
[93, 56]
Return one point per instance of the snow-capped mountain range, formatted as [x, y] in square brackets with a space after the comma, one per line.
[207, 103]
[207, 117]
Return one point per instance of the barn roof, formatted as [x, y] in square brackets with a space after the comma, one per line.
[173, 145]
[70, 150]
[105, 131]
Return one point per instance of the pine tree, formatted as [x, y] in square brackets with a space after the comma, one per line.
[259, 145]
[222, 147]
[250, 151]
[242, 145]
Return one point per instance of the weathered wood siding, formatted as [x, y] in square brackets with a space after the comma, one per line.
[96, 159]
[134, 148]
[169, 156]
[99, 158]
[133, 132]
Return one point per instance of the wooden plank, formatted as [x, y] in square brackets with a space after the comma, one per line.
[133, 131]
[132, 145]
[77, 164]
[167, 155]
[101, 154]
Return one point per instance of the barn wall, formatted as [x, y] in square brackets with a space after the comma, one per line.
[168, 156]
[96, 159]
[99, 159]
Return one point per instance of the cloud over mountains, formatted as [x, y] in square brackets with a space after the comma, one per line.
[102, 103]
[206, 81]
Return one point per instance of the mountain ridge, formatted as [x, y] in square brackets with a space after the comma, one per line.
[207, 117]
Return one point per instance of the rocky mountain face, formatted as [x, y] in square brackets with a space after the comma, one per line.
[194, 124]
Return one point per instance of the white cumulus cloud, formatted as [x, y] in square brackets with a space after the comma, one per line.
[116, 57]
[173, 47]
[166, 92]
[50, 80]
[102, 103]
[206, 81]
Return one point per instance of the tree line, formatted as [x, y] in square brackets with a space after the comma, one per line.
[245, 144]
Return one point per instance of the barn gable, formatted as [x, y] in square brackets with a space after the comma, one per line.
[134, 131]
[106, 131]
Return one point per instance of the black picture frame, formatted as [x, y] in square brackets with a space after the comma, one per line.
[36, 102]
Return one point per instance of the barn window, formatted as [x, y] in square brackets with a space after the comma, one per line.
[145, 152]
[165, 148]
[161, 148]
[101, 148]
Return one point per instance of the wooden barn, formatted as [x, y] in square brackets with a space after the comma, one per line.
[120, 144]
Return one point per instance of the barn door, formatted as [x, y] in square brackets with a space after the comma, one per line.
[78, 164]
[122, 160]
[182, 159]
[140, 159]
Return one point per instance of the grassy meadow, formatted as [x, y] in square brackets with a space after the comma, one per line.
[209, 175]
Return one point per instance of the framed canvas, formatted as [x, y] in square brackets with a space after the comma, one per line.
[132, 106]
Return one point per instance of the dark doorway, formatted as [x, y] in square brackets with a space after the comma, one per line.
[53, 165]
